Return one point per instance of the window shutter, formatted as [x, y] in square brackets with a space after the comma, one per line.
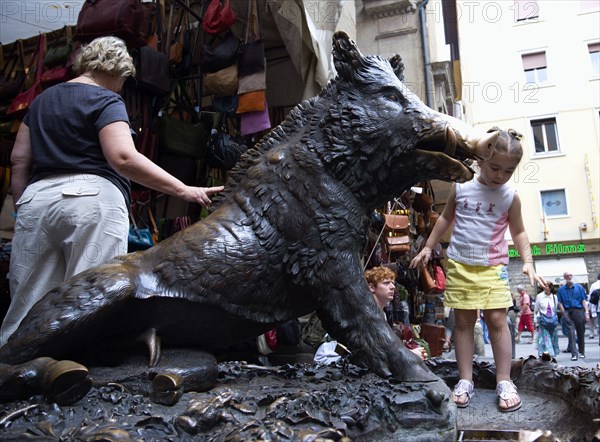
[526, 9]
[534, 61]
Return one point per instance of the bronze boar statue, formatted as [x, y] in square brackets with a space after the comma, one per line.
[285, 239]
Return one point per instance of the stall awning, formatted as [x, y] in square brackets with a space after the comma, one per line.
[552, 269]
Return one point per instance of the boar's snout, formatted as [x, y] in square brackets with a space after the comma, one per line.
[450, 145]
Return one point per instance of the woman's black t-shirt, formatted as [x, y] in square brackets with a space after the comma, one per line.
[64, 122]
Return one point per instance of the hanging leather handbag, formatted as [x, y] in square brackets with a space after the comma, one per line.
[55, 75]
[223, 82]
[20, 104]
[396, 233]
[12, 73]
[219, 53]
[251, 102]
[180, 137]
[153, 71]
[427, 280]
[175, 50]
[440, 278]
[252, 52]
[218, 17]
[227, 104]
[58, 55]
[253, 122]
[55, 62]
[126, 19]
[252, 82]
[224, 150]
[138, 238]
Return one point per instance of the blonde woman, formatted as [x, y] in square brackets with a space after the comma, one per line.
[71, 165]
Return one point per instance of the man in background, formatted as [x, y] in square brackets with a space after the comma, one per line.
[572, 301]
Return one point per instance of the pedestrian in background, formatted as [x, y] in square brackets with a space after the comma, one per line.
[572, 301]
[546, 307]
[526, 315]
[594, 322]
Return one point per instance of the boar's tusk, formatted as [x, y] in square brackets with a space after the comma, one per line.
[450, 142]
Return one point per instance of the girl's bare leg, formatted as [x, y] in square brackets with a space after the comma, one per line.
[501, 347]
[464, 344]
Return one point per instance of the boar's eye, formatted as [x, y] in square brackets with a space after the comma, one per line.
[394, 97]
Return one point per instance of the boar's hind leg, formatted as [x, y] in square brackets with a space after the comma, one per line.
[63, 382]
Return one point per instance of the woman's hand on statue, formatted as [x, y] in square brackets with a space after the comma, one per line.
[201, 195]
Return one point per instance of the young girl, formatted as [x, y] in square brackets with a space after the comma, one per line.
[482, 210]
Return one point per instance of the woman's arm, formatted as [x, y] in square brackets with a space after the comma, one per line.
[21, 163]
[521, 241]
[121, 154]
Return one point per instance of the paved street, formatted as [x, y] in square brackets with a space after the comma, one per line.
[522, 350]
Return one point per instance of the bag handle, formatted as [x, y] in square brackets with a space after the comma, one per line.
[39, 52]
[252, 31]
[159, 26]
[153, 222]
[40, 63]
[176, 36]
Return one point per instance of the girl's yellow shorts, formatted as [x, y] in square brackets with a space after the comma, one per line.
[471, 287]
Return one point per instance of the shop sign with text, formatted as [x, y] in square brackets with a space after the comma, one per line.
[551, 249]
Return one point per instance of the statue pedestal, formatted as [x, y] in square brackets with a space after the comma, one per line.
[249, 402]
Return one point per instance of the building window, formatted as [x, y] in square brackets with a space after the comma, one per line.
[545, 135]
[554, 202]
[526, 10]
[595, 58]
[535, 67]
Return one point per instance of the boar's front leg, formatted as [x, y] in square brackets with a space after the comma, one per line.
[350, 314]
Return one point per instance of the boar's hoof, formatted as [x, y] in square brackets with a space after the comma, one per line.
[435, 398]
[65, 382]
[167, 389]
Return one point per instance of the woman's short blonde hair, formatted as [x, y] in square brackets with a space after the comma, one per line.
[105, 54]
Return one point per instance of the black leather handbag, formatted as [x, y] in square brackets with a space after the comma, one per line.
[224, 150]
[219, 53]
[252, 51]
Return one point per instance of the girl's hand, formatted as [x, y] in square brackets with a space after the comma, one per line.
[529, 270]
[420, 352]
[422, 258]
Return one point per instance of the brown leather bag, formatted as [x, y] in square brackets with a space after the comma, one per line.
[427, 280]
[251, 102]
[126, 19]
[396, 233]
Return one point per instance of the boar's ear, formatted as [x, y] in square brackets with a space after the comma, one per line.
[346, 56]
[397, 65]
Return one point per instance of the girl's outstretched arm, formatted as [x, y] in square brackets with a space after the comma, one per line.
[521, 241]
[441, 226]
